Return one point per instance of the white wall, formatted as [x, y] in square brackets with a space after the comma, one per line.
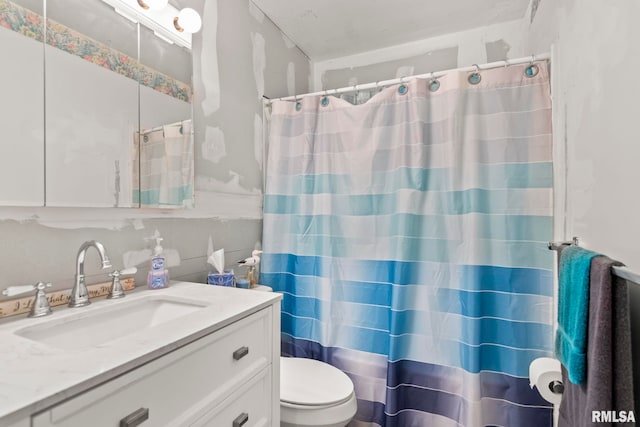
[596, 88]
[596, 72]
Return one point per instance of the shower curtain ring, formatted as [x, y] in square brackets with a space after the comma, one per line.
[475, 77]
[532, 69]
[298, 103]
[403, 89]
[434, 84]
[325, 99]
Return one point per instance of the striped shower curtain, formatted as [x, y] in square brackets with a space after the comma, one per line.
[407, 235]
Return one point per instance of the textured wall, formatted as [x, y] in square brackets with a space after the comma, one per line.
[595, 71]
[238, 56]
[474, 46]
[246, 57]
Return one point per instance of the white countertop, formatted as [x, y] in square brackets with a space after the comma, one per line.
[35, 376]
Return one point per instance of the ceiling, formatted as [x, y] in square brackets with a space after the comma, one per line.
[326, 29]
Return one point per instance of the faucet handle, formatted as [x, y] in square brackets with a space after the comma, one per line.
[125, 272]
[40, 306]
[18, 290]
[116, 290]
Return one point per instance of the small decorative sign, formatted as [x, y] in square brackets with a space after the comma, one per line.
[23, 304]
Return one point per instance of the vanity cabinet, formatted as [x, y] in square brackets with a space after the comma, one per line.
[228, 378]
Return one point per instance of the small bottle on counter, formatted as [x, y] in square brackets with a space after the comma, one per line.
[158, 276]
[251, 276]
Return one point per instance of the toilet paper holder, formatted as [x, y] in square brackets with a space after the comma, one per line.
[556, 387]
[545, 373]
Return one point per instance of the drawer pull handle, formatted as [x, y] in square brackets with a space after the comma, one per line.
[240, 353]
[241, 420]
[135, 418]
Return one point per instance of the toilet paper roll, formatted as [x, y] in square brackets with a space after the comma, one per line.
[544, 373]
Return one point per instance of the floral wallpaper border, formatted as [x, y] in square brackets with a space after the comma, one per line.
[21, 20]
[29, 24]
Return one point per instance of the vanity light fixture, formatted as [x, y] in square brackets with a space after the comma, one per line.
[167, 22]
[161, 37]
[188, 20]
[153, 4]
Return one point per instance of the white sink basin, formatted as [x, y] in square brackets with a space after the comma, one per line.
[95, 325]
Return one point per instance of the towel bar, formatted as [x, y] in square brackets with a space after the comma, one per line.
[620, 271]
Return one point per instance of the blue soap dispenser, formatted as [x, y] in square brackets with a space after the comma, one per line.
[158, 276]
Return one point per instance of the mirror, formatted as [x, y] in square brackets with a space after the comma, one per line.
[21, 104]
[91, 103]
[94, 102]
[166, 136]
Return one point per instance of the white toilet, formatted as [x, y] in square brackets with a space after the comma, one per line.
[314, 393]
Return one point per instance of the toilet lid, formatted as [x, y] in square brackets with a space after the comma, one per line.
[312, 383]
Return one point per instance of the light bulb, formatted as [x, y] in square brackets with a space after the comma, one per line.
[188, 20]
[153, 4]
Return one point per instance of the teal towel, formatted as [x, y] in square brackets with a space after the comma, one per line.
[573, 311]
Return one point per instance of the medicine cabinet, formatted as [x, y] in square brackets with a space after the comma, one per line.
[78, 86]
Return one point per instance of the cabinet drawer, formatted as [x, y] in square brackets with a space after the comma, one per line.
[187, 381]
[249, 406]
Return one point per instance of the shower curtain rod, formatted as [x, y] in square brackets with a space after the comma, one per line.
[433, 75]
[146, 131]
[622, 272]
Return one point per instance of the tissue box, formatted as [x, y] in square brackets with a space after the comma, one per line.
[221, 279]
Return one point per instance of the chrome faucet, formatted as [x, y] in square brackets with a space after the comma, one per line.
[79, 295]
